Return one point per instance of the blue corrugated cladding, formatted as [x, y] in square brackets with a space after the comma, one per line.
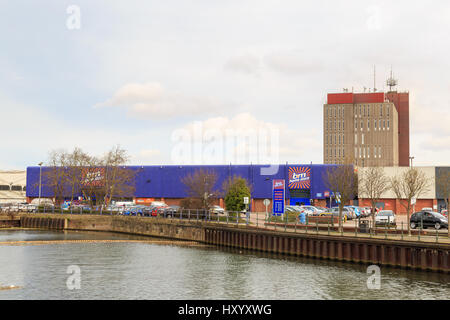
[165, 181]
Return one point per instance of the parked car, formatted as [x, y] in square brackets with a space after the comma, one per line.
[31, 208]
[306, 210]
[115, 209]
[158, 204]
[335, 213]
[152, 210]
[345, 211]
[428, 219]
[169, 212]
[80, 208]
[366, 212]
[217, 210]
[385, 217]
[315, 210]
[293, 209]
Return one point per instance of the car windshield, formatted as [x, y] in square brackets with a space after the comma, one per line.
[438, 215]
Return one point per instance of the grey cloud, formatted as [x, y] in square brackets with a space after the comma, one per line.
[151, 100]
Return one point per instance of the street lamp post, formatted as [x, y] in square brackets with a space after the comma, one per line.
[40, 180]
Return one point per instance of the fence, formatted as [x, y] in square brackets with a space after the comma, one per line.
[287, 223]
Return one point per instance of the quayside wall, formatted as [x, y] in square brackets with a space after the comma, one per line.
[428, 256]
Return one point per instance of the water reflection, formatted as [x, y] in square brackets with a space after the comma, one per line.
[167, 271]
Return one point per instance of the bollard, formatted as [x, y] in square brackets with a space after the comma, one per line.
[437, 235]
[307, 220]
[328, 226]
[420, 227]
[356, 229]
[385, 230]
[317, 226]
[295, 229]
[402, 230]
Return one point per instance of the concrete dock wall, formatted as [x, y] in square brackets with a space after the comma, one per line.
[404, 254]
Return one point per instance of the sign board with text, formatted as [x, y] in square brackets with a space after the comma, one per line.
[278, 196]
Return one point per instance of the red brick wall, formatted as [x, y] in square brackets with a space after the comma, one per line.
[396, 206]
[401, 102]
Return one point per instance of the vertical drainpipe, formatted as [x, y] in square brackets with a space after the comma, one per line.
[251, 183]
[286, 185]
[311, 183]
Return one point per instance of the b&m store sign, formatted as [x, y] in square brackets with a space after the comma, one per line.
[299, 178]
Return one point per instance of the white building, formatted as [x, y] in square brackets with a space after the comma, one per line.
[13, 186]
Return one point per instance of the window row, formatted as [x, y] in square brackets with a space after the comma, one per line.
[365, 152]
[335, 111]
[365, 110]
[334, 153]
[335, 139]
[337, 125]
[380, 124]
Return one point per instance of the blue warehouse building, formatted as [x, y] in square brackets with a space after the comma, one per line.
[303, 183]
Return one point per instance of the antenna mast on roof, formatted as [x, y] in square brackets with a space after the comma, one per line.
[374, 79]
[391, 82]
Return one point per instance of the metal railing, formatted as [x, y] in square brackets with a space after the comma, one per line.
[315, 225]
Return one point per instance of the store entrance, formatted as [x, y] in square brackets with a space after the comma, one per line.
[299, 197]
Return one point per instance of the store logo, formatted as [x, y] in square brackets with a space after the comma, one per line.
[93, 177]
[278, 184]
[299, 177]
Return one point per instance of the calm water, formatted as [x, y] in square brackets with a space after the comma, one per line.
[168, 271]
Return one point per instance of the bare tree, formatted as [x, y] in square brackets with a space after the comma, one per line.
[408, 185]
[119, 181]
[343, 182]
[92, 178]
[200, 186]
[372, 184]
[54, 175]
[75, 161]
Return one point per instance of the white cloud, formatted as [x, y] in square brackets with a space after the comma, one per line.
[147, 157]
[243, 139]
[292, 63]
[246, 63]
[153, 100]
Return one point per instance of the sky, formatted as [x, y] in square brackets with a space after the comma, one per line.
[212, 82]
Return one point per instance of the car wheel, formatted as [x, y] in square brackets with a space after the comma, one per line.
[413, 225]
[437, 226]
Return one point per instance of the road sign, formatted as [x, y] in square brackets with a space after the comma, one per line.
[266, 202]
[326, 194]
[413, 201]
[246, 200]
